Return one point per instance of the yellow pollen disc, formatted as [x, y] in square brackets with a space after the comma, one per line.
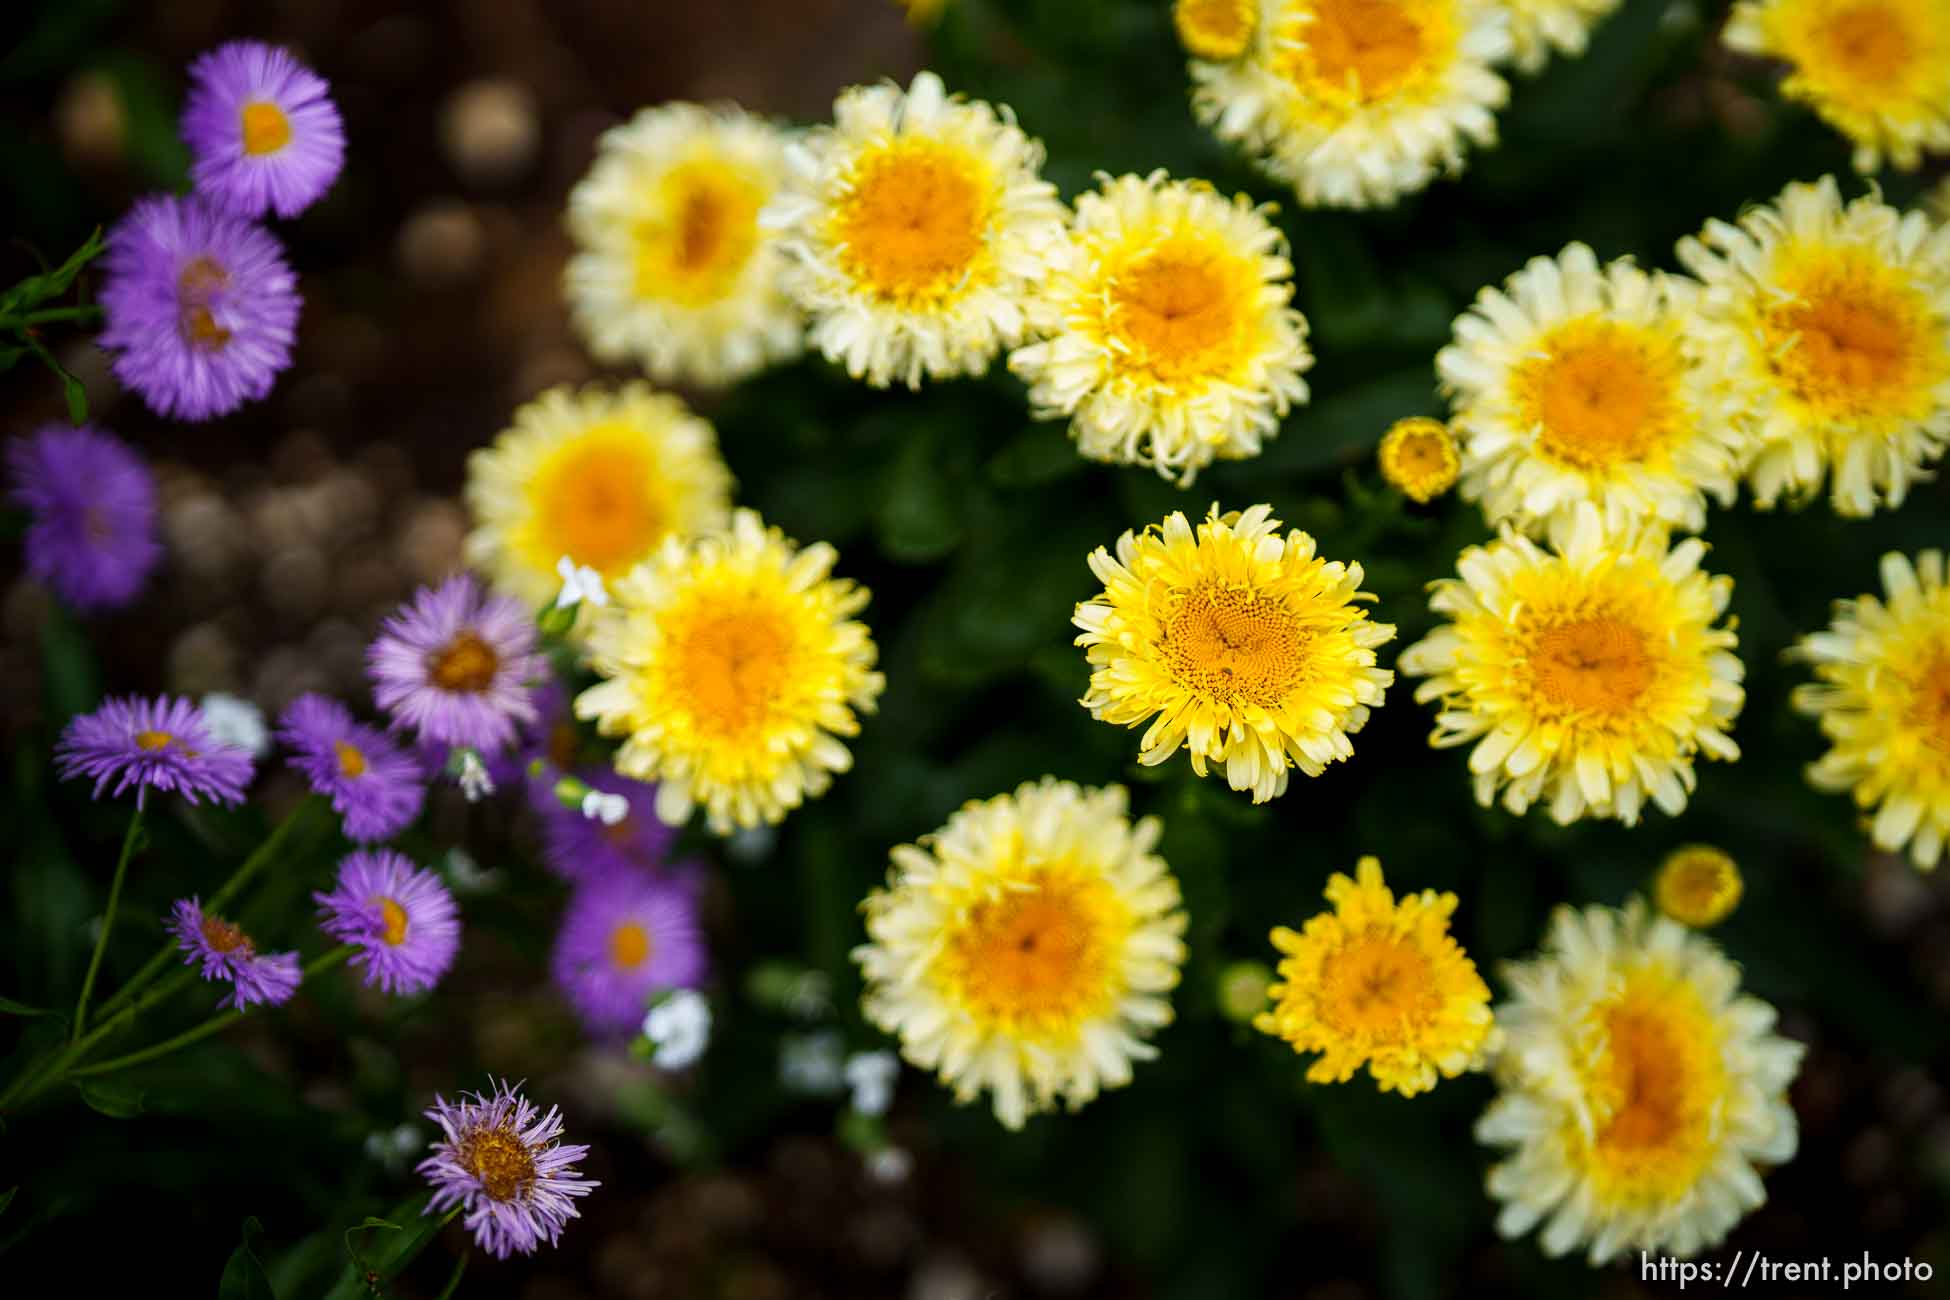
[1600, 394]
[1869, 43]
[500, 1159]
[199, 280]
[600, 501]
[1037, 961]
[706, 230]
[732, 659]
[153, 740]
[351, 761]
[223, 936]
[1418, 456]
[1235, 645]
[1655, 1084]
[1852, 340]
[1930, 703]
[1359, 51]
[467, 664]
[1596, 665]
[393, 920]
[912, 229]
[1216, 29]
[1180, 312]
[629, 945]
[1697, 886]
[1379, 986]
[266, 128]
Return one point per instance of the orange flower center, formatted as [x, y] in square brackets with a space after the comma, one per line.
[351, 761]
[1591, 665]
[629, 945]
[1232, 644]
[393, 921]
[467, 665]
[499, 1158]
[266, 128]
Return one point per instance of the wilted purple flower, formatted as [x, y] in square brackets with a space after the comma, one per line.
[93, 538]
[262, 129]
[401, 917]
[375, 786]
[456, 665]
[221, 951]
[624, 938]
[579, 847]
[201, 309]
[504, 1162]
[159, 744]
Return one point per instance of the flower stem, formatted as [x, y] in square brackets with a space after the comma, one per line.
[460, 1266]
[108, 924]
[41, 1075]
[51, 315]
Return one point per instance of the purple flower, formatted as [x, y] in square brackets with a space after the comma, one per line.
[581, 848]
[201, 308]
[221, 951]
[159, 744]
[263, 131]
[624, 938]
[456, 665]
[93, 538]
[375, 786]
[550, 736]
[503, 1160]
[402, 918]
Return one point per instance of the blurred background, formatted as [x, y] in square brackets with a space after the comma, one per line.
[433, 308]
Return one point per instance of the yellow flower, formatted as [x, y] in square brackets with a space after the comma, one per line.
[1419, 458]
[918, 227]
[1380, 983]
[1697, 885]
[1538, 26]
[1571, 383]
[923, 13]
[1589, 675]
[599, 476]
[1238, 645]
[671, 268]
[1878, 71]
[1027, 947]
[1883, 697]
[1172, 340]
[1831, 327]
[1640, 1095]
[733, 669]
[1215, 29]
[1357, 102]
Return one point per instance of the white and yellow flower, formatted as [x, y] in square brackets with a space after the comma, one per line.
[1572, 384]
[1829, 326]
[1590, 675]
[1357, 102]
[1537, 27]
[1172, 340]
[1641, 1095]
[672, 269]
[918, 227]
[1027, 948]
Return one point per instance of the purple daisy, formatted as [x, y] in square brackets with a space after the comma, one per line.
[456, 665]
[375, 786]
[401, 917]
[262, 129]
[201, 309]
[93, 538]
[581, 848]
[504, 1161]
[160, 744]
[624, 938]
[221, 951]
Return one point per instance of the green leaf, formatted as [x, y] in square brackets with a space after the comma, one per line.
[8, 358]
[244, 1277]
[111, 1097]
[1039, 454]
[9, 1007]
[77, 399]
[920, 517]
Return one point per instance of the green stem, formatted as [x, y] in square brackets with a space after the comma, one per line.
[460, 1266]
[108, 923]
[51, 315]
[43, 1075]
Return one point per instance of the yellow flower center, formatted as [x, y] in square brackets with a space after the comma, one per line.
[600, 500]
[223, 936]
[1930, 703]
[733, 658]
[629, 945]
[693, 251]
[1419, 456]
[199, 281]
[1180, 312]
[500, 1159]
[1039, 960]
[1595, 665]
[1869, 44]
[1852, 339]
[913, 226]
[1698, 886]
[1380, 987]
[1344, 54]
[152, 741]
[351, 761]
[1600, 394]
[466, 664]
[266, 128]
[392, 919]
[1232, 644]
[1216, 29]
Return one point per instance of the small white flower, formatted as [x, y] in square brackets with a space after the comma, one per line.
[889, 1166]
[238, 722]
[468, 876]
[871, 1076]
[680, 1026]
[579, 583]
[472, 773]
[752, 843]
[393, 1147]
[609, 809]
[813, 1063]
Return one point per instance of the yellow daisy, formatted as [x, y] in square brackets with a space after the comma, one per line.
[1027, 947]
[1234, 643]
[1878, 71]
[672, 268]
[600, 476]
[1172, 340]
[1419, 459]
[1640, 1094]
[1539, 26]
[1831, 327]
[734, 668]
[1357, 102]
[1379, 983]
[918, 226]
[1882, 694]
[1571, 383]
[1697, 885]
[1590, 674]
[1215, 29]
